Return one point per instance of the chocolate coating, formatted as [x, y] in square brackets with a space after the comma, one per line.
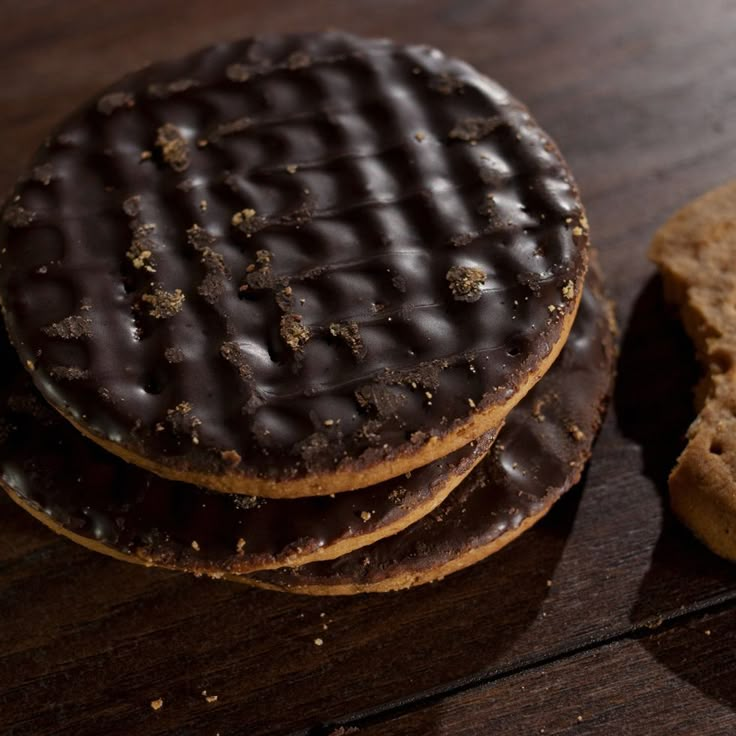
[49, 466]
[539, 454]
[289, 255]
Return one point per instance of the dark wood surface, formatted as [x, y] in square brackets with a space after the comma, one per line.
[600, 611]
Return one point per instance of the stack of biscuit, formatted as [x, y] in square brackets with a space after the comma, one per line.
[311, 312]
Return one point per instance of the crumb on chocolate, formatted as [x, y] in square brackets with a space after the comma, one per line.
[446, 84]
[577, 231]
[248, 221]
[575, 432]
[107, 104]
[292, 168]
[318, 642]
[248, 502]
[294, 333]
[69, 373]
[230, 128]
[195, 545]
[458, 241]
[157, 704]
[43, 173]
[182, 421]
[15, 215]
[240, 545]
[420, 136]
[173, 146]
[146, 155]
[298, 60]
[472, 130]
[466, 283]
[142, 246]
[160, 90]
[132, 206]
[349, 332]
[234, 355]
[73, 327]
[365, 515]
[568, 290]
[231, 457]
[164, 304]
[174, 355]
[238, 72]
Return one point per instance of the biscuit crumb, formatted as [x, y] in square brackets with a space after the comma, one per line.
[420, 136]
[298, 60]
[365, 515]
[174, 355]
[238, 73]
[140, 252]
[466, 283]
[240, 545]
[471, 403]
[577, 231]
[568, 290]
[294, 333]
[328, 422]
[73, 327]
[209, 698]
[173, 146]
[164, 304]
[318, 642]
[349, 332]
[575, 432]
[231, 457]
[292, 168]
[248, 221]
[195, 545]
[233, 354]
[157, 704]
[43, 173]
[15, 215]
[203, 205]
[471, 130]
[230, 128]
[446, 84]
[107, 104]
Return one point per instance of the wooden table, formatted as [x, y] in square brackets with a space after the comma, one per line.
[607, 617]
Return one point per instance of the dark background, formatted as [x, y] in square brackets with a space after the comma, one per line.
[605, 618]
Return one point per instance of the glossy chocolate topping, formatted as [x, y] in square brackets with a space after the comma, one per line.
[286, 255]
[539, 454]
[51, 467]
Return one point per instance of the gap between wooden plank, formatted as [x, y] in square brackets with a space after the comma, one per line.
[642, 630]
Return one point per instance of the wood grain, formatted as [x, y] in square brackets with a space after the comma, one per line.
[677, 681]
[640, 97]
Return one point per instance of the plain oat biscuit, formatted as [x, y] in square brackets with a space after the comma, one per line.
[696, 252]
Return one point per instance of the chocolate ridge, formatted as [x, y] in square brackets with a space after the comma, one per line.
[539, 454]
[320, 165]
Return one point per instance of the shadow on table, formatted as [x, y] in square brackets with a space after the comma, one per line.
[175, 636]
[471, 620]
[654, 406]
